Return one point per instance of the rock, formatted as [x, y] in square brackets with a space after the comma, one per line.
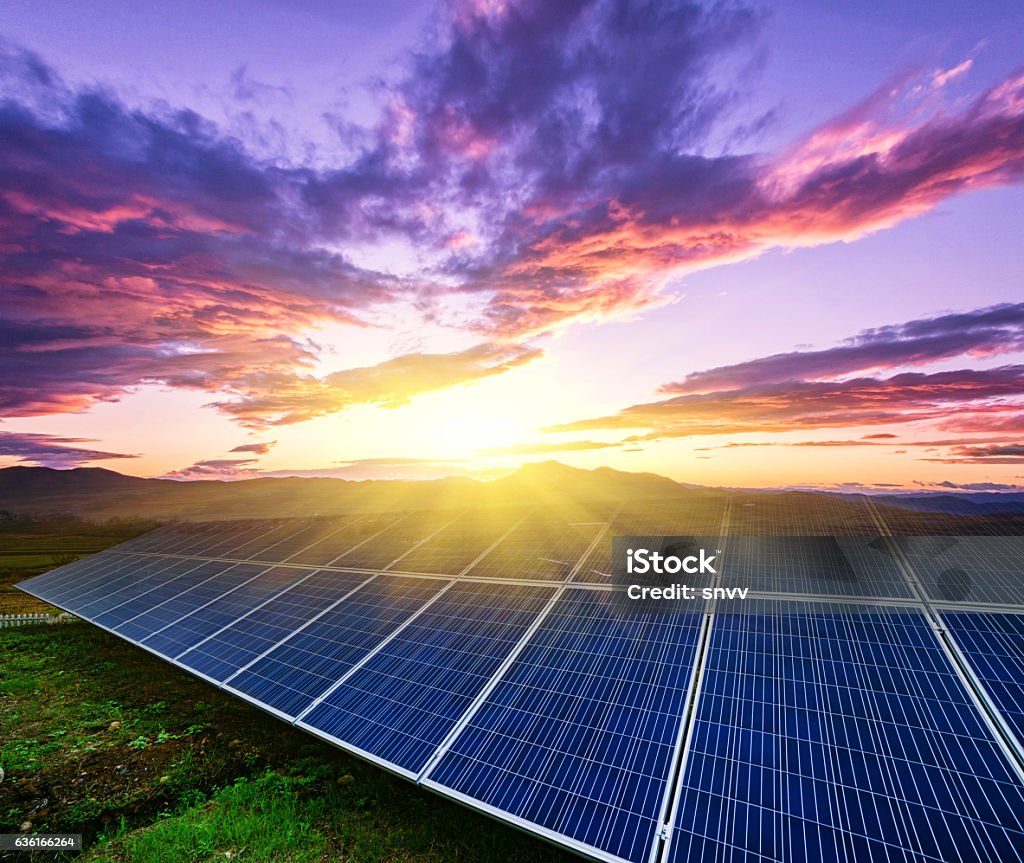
[2, 774]
[114, 726]
[25, 826]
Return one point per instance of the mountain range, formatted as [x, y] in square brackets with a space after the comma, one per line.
[101, 494]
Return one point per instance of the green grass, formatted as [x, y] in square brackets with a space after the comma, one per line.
[265, 819]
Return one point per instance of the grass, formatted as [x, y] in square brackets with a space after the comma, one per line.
[266, 819]
[151, 764]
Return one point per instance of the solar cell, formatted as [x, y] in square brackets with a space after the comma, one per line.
[985, 569]
[333, 548]
[578, 737]
[696, 519]
[305, 665]
[401, 703]
[993, 645]
[819, 565]
[132, 579]
[840, 733]
[253, 634]
[540, 548]
[398, 540]
[460, 544]
[229, 601]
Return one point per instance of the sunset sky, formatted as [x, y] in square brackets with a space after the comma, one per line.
[778, 244]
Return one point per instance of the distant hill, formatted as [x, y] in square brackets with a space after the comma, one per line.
[974, 503]
[99, 493]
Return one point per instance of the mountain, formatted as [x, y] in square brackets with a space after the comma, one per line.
[974, 503]
[98, 493]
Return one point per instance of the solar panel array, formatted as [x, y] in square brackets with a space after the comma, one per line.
[866, 704]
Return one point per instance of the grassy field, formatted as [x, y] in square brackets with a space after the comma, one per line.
[150, 764]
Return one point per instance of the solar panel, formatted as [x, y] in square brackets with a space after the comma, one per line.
[311, 593]
[400, 705]
[840, 733]
[819, 565]
[540, 548]
[578, 738]
[462, 543]
[486, 656]
[993, 645]
[292, 675]
[985, 569]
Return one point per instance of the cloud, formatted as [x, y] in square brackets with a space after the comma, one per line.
[804, 405]
[143, 247]
[217, 469]
[810, 443]
[539, 448]
[982, 332]
[613, 246]
[550, 163]
[256, 448]
[812, 390]
[976, 486]
[282, 399]
[52, 450]
[990, 453]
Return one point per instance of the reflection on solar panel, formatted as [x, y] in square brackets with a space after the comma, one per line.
[867, 704]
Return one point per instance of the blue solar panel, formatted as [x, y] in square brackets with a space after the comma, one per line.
[66, 583]
[822, 565]
[993, 645]
[265, 625]
[292, 675]
[162, 607]
[988, 569]
[401, 704]
[840, 735]
[149, 597]
[231, 603]
[578, 736]
[133, 581]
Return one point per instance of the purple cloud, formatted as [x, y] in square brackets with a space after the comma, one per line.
[553, 161]
[52, 450]
[255, 448]
[982, 332]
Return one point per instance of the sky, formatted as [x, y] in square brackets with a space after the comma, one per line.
[756, 245]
